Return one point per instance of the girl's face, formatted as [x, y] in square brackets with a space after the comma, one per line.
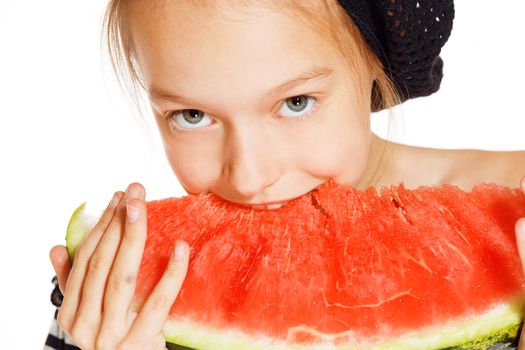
[251, 104]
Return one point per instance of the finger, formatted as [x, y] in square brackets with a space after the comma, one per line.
[73, 287]
[61, 264]
[122, 279]
[156, 342]
[522, 183]
[151, 318]
[520, 240]
[90, 309]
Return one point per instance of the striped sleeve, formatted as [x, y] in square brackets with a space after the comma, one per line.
[57, 339]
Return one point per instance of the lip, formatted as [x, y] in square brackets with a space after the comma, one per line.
[267, 206]
[270, 205]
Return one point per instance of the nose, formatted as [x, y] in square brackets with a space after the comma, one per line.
[252, 161]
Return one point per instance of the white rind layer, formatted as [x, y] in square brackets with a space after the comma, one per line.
[497, 320]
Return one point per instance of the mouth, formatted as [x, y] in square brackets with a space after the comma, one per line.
[272, 205]
[267, 206]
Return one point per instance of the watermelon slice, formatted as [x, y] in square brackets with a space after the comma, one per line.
[340, 268]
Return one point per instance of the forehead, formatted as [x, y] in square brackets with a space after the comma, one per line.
[218, 41]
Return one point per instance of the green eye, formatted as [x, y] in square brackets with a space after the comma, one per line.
[297, 106]
[192, 116]
[190, 119]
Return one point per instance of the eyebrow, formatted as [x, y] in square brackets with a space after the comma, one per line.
[315, 74]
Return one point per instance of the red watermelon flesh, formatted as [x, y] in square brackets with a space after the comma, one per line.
[338, 265]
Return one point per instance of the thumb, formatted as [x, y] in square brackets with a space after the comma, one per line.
[60, 261]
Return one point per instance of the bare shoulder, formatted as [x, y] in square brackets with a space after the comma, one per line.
[464, 168]
[469, 167]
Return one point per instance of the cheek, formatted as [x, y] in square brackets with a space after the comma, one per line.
[195, 164]
[196, 173]
[338, 148]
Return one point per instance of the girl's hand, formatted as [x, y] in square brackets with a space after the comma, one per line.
[98, 287]
[520, 238]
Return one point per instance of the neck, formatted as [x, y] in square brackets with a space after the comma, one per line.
[380, 167]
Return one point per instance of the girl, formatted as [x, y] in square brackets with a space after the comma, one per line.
[258, 102]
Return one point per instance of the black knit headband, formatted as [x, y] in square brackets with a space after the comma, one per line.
[407, 35]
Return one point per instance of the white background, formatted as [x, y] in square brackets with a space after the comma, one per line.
[67, 134]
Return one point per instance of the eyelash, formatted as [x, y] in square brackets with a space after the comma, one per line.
[169, 115]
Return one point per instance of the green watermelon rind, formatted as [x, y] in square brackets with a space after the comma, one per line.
[477, 332]
[81, 222]
[501, 323]
[78, 226]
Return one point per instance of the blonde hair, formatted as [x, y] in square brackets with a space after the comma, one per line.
[332, 21]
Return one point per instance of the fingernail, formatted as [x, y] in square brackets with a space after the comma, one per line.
[179, 251]
[114, 201]
[133, 213]
[520, 227]
[133, 192]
